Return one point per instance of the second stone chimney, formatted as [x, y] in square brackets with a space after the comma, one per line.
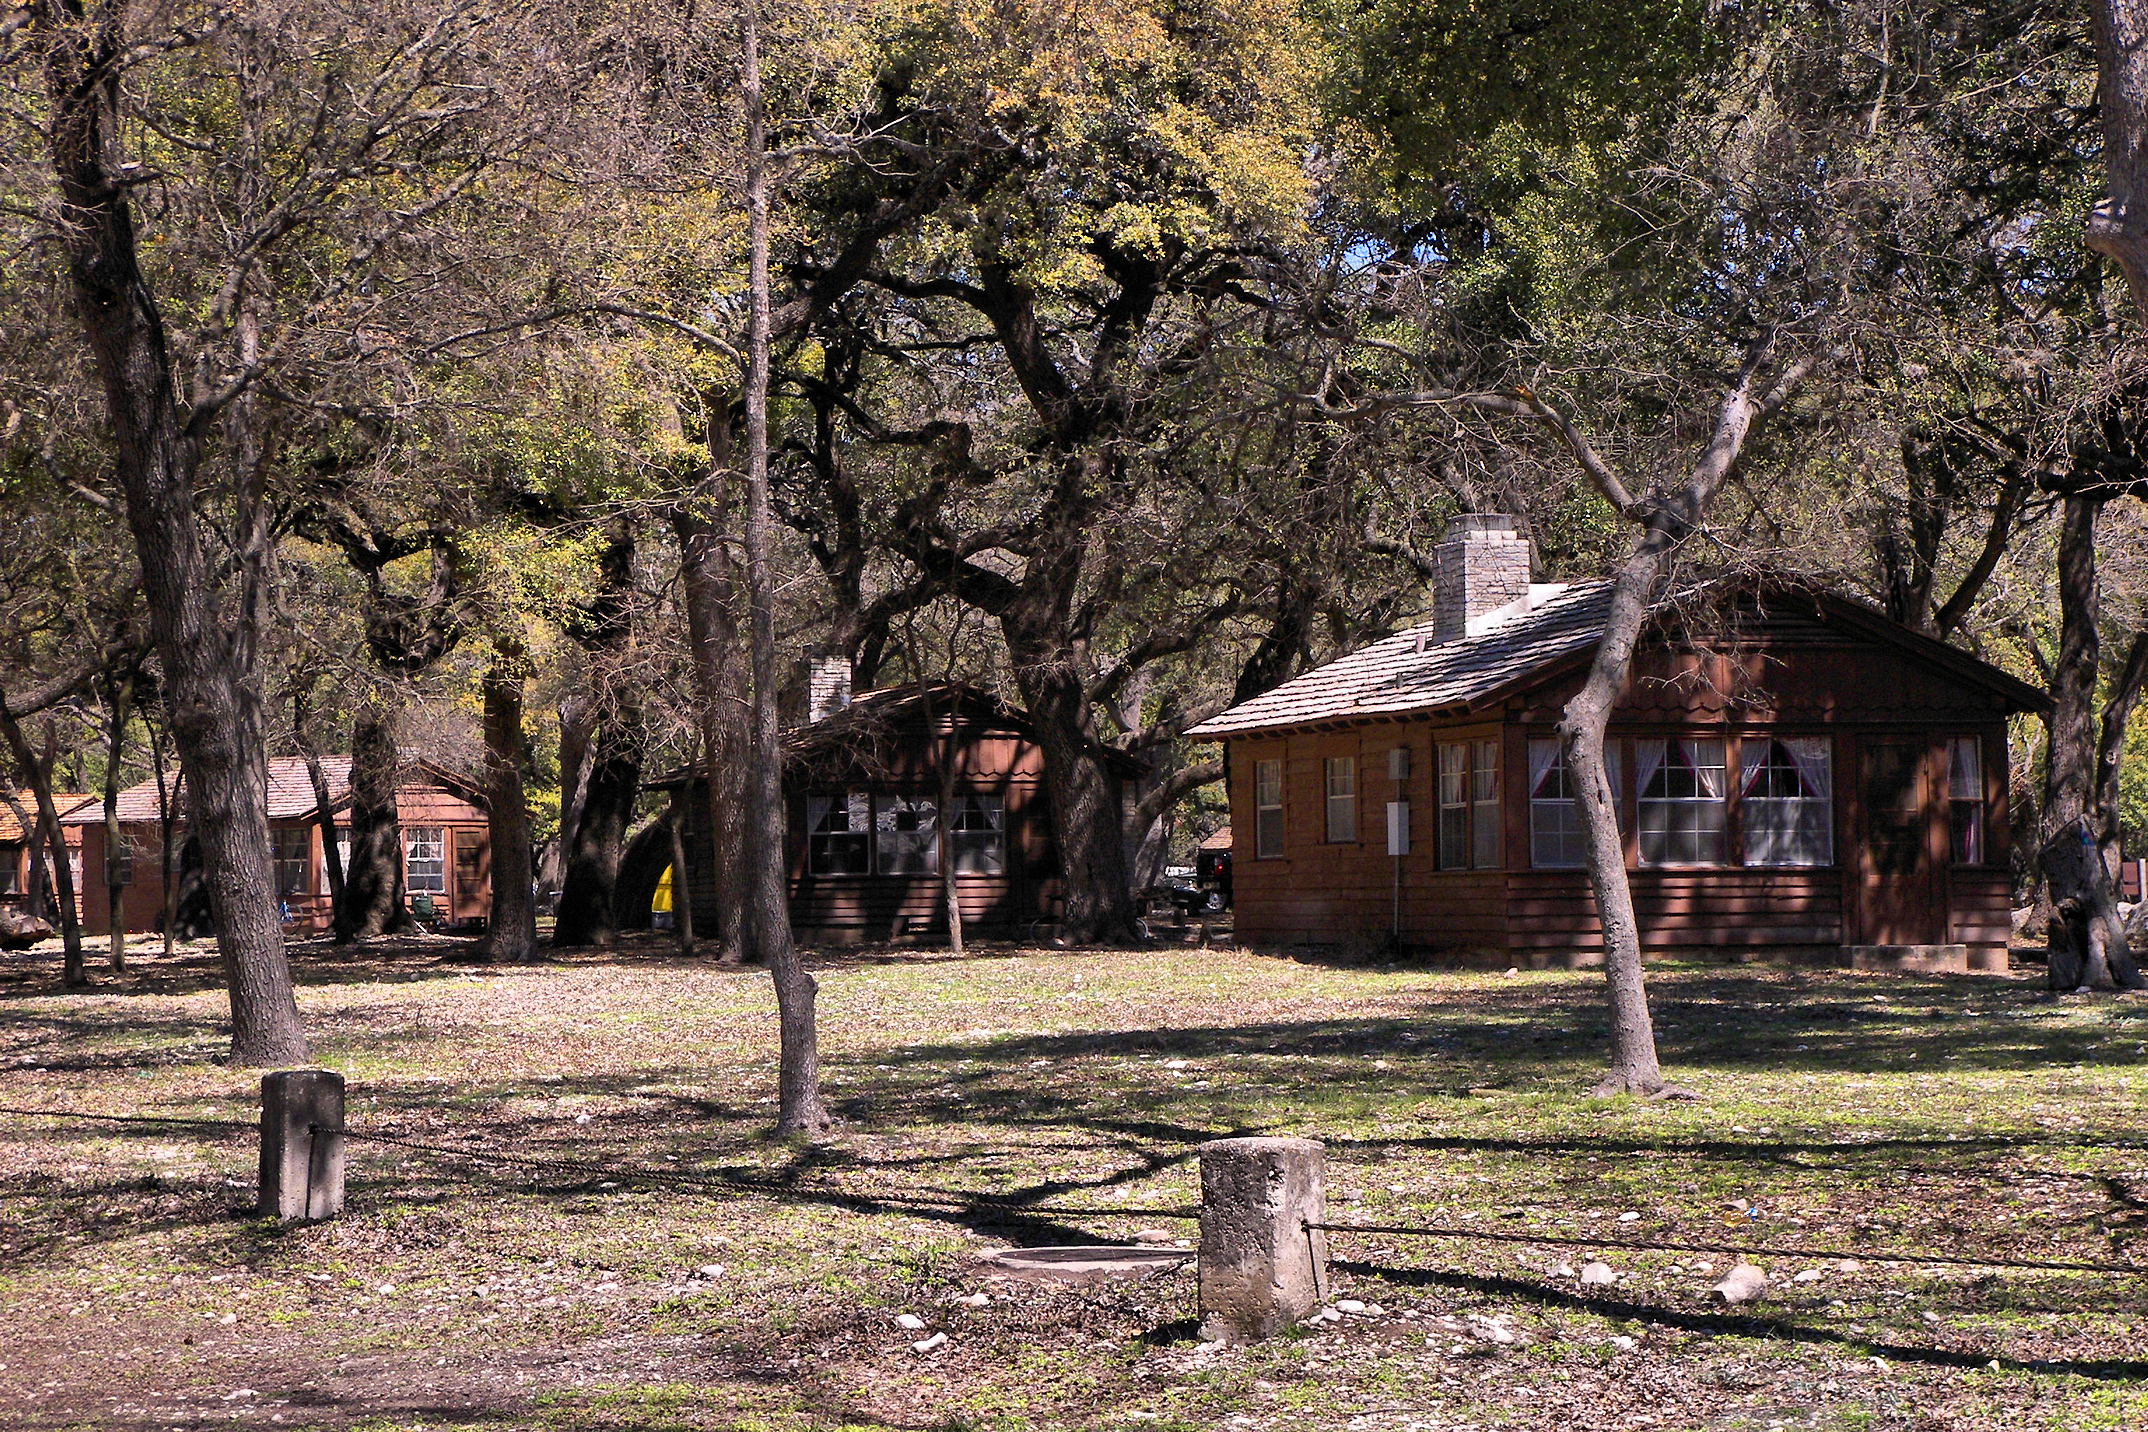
[1482, 564]
[827, 687]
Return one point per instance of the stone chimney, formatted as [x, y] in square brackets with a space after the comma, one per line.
[827, 687]
[1482, 564]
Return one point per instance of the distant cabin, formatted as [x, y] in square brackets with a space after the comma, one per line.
[18, 828]
[867, 836]
[447, 851]
[1812, 781]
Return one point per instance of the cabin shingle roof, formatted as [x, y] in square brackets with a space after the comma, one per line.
[65, 802]
[1410, 672]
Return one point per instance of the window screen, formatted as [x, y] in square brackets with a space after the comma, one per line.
[1555, 835]
[1681, 801]
[1267, 810]
[1342, 799]
[424, 860]
[1787, 790]
[293, 851]
[1965, 800]
[977, 835]
[838, 834]
[906, 835]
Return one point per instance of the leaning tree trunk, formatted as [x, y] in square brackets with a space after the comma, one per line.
[154, 458]
[115, 893]
[586, 914]
[798, 1103]
[682, 895]
[2087, 938]
[2118, 227]
[1667, 519]
[324, 812]
[512, 929]
[373, 897]
[577, 729]
[723, 694]
[49, 829]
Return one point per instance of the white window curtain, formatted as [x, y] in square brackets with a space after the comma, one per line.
[1815, 757]
[1647, 760]
[1788, 790]
[1543, 755]
[1706, 760]
[1752, 759]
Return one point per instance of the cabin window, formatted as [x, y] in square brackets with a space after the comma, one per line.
[1681, 801]
[293, 850]
[1469, 805]
[1267, 810]
[10, 869]
[977, 835]
[1787, 793]
[906, 835]
[1965, 800]
[343, 855]
[1342, 799]
[119, 862]
[1555, 835]
[425, 860]
[838, 834]
[1556, 839]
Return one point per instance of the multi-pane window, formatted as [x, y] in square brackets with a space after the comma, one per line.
[1965, 800]
[1555, 835]
[119, 862]
[1681, 801]
[1469, 805]
[1342, 799]
[906, 835]
[293, 851]
[1787, 794]
[1556, 838]
[1267, 810]
[10, 869]
[977, 835]
[839, 834]
[424, 860]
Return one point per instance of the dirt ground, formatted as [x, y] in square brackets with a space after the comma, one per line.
[1837, 1112]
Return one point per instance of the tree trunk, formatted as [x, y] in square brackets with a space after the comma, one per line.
[722, 688]
[799, 1108]
[682, 894]
[2087, 939]
[577, 728]
[39, 885]
[1667, 518]
[586, 915]
[49, 830]
[511, 935]
[154, 457]
[373, 885]
[167, 797]
[115, 893]
[324, 813]
[2118, 227]
[1083, 797]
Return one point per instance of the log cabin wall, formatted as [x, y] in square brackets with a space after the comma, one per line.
[993, 756]
[1878, 711]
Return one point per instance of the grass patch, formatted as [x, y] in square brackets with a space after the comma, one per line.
[1837, 1110]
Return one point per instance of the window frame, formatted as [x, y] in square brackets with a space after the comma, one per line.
[921, 840]
[961, 837]
[413, 837]
[1719, 803]
[1471, 830]
[1340, 802]
[819, 841]
[1748, 802]
[1977, 807]
[1263, 847]
[281, 864]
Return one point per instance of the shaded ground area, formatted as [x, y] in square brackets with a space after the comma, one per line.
[1838, 1111]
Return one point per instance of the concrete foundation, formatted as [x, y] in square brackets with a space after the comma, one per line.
[1261, 1268]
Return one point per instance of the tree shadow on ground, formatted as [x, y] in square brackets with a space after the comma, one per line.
[1750, 1325]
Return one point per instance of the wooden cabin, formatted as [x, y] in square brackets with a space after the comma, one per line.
[18, 827]
[1808, 780]
[447, 849]
[868, 835]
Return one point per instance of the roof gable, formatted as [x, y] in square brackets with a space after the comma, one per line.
[1554, 630]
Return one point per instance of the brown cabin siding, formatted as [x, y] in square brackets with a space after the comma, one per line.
[1812, 681]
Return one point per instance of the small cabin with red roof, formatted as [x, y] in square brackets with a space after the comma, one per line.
[447, 850]
[1796, 775]
[19, 827]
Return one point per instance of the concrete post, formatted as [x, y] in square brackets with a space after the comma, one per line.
[1262, 1269]
[301, 1144]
